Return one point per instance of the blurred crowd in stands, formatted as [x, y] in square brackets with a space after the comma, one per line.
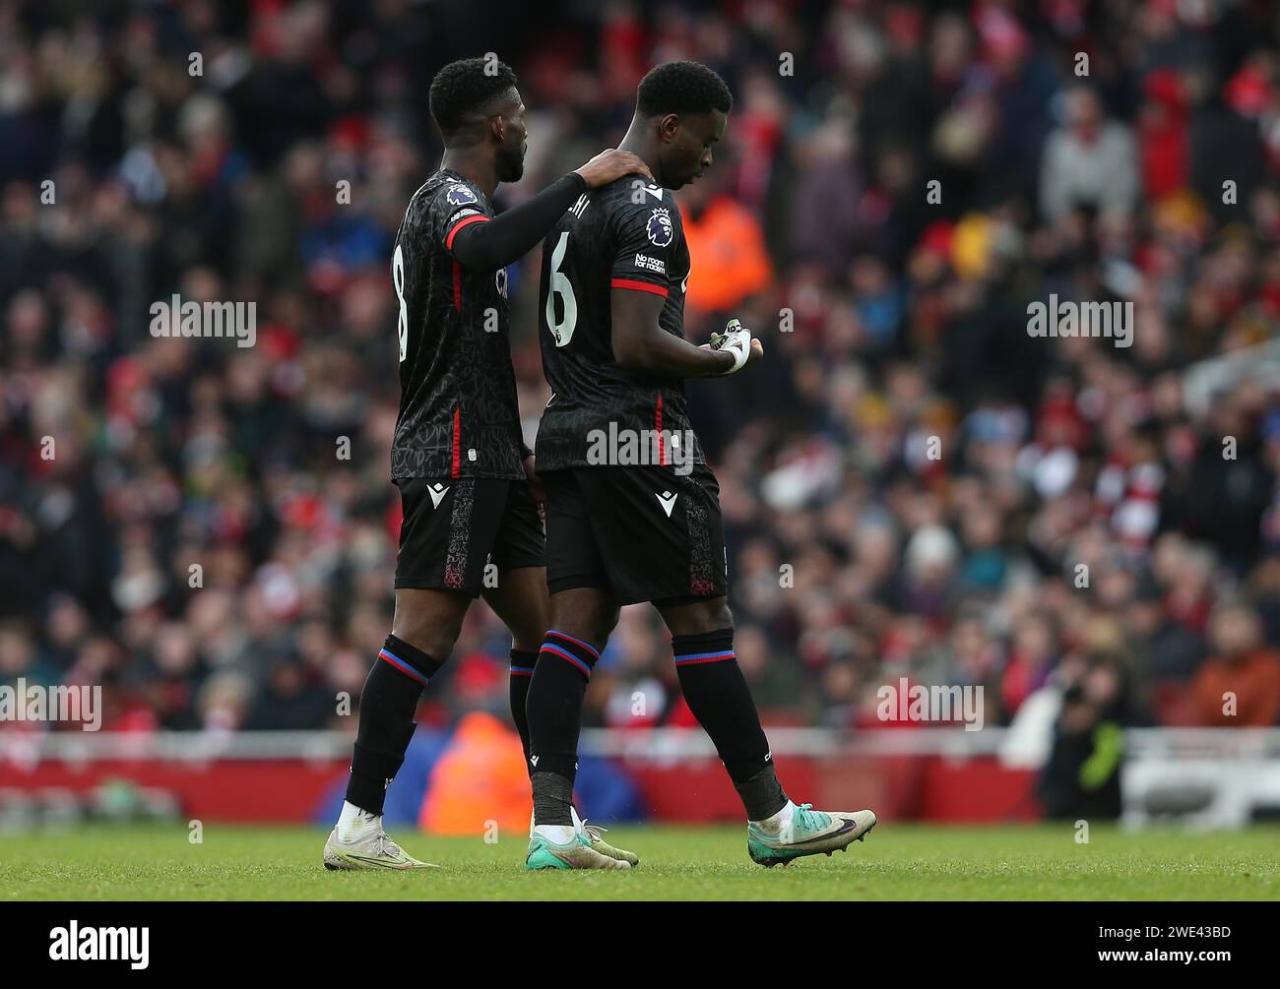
[913, 485]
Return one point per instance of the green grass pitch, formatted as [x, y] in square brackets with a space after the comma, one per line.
[896, 862]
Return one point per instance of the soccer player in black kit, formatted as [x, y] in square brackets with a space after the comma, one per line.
[622, 529]
[458, 458]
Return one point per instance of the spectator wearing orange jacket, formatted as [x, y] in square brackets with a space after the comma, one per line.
[1240, 685]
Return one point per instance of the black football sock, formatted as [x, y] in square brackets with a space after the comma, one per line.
[387, 706]
[552, 799]
[554, 707]
[523, 662]
[718, 695]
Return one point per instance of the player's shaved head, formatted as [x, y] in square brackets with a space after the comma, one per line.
[467, 92]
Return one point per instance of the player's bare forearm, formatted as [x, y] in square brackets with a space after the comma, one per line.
[640, 344]
[661, 354]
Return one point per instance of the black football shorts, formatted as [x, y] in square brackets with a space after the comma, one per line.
[454, 528]
[644, 533]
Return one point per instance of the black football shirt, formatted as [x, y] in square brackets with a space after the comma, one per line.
[624, 235]
[458, 411]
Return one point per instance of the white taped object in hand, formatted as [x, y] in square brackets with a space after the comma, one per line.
[736, 339]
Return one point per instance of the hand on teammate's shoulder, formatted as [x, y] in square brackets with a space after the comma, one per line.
[610, 165]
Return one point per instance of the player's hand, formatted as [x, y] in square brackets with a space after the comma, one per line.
[609, 166]
[738, 341]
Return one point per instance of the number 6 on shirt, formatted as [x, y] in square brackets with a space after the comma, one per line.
[560, 285]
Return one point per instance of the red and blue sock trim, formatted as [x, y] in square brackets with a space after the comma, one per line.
[704, 647]
[694, 659]
[523, 662]
[408, 659]
[570, 640]
[571, 649]
[407, 669]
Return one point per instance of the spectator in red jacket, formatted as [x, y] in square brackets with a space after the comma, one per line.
[1162, 130]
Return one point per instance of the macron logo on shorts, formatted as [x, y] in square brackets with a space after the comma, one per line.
[667, 500]
[437, 492]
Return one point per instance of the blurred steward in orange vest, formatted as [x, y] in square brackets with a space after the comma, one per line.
[480, 778]
[728, 260]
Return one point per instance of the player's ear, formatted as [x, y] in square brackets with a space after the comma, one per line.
[498, 128]
[668, 126]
